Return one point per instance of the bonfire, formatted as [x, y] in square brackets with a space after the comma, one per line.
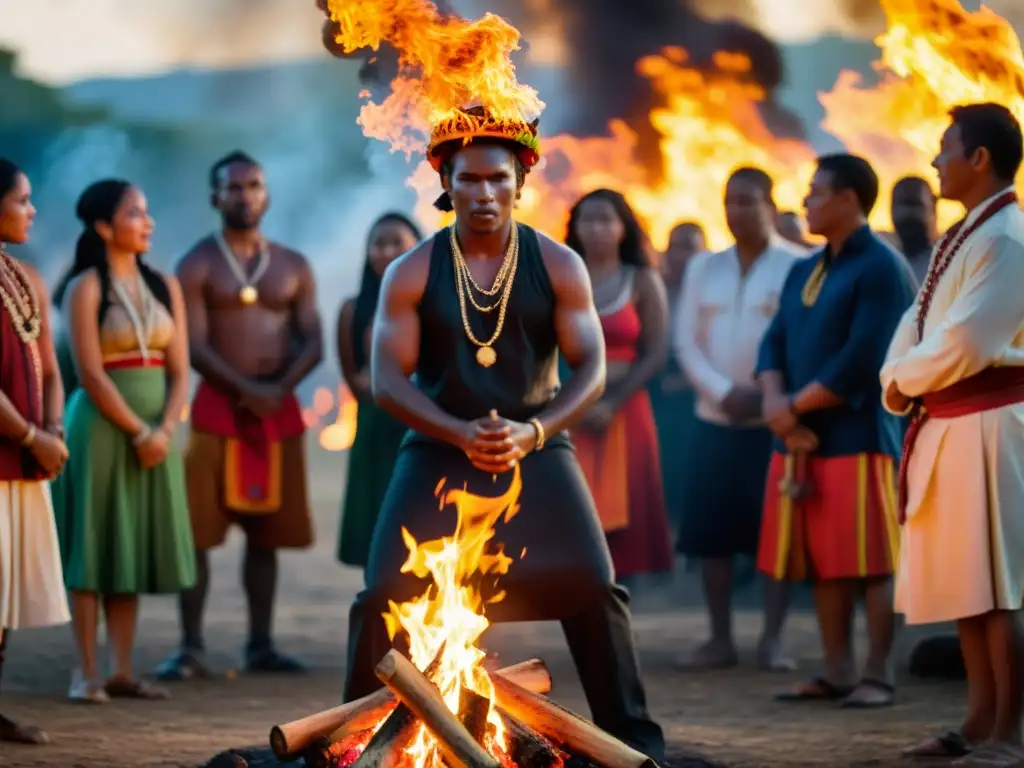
[442, 705]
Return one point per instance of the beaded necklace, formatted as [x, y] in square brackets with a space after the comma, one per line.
[947, 250]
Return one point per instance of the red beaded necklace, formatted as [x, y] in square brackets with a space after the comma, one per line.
[956, 236]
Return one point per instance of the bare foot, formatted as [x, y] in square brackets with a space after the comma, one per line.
[712, 655]
[15, 733]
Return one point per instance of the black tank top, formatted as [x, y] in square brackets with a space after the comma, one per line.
[525, 376]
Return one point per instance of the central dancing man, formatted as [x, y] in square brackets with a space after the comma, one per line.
[442, 366]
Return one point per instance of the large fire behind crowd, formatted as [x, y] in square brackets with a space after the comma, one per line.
[934, 55]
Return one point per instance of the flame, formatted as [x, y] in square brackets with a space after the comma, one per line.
[445, 63]
[339, 435]
[451, 611]
[934, 55]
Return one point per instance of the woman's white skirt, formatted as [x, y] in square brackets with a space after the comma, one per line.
[31, 579]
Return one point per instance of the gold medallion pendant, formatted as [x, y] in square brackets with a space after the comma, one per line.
[486, 356]
[248, 295]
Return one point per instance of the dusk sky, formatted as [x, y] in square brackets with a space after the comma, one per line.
[66, 40]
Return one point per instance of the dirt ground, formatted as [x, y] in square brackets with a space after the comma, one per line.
[727, 716]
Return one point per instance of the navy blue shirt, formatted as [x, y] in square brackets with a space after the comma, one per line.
[840, 341]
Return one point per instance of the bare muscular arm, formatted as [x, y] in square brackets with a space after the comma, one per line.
[306, 325]
[177, 361]
[192, 273]
[580, 339]
[652, 306]
[396, 348]
[53, 387]
[85, 348]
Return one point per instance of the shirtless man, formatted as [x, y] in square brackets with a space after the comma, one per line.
[254, 334]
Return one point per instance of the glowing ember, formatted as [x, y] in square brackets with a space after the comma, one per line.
[934, 55]
[450, 612]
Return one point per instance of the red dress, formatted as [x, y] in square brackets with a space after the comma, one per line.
[623, 466]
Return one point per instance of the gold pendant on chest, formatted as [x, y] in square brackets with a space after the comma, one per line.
[486, 356]
[248, 295]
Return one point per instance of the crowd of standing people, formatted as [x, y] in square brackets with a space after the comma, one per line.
[756, 404]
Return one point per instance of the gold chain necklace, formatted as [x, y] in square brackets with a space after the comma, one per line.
[20, 305]
[485, 354]
[462, 270]
[499, 279]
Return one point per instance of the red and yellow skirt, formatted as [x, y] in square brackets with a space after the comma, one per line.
[845, 528]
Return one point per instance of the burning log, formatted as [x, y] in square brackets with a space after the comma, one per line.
[292, 738]
[326, 754]
[526, 747]
[566, 729]
[457, 744]
[387, 745]
[473, 709]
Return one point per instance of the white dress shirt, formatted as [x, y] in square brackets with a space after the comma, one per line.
[723, 314]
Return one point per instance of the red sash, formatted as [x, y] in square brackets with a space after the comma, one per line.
[995, 387]
[982, 392]
[252, 459]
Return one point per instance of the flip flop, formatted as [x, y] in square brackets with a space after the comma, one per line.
[182, 665]
[123, 688]
[872, 684]
[950, 744]
[84, 691]
[817, 689]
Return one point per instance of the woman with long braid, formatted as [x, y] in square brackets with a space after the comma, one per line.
[32, 451]
[121, 507]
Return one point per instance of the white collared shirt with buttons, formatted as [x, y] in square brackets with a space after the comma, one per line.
[722, 316]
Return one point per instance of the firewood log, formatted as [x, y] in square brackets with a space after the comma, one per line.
[290, 739]
[567, 729]
[459, 748]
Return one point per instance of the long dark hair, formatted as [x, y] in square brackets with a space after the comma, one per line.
[9, 173]
[99, 203]
[632, 249]
[369, 289]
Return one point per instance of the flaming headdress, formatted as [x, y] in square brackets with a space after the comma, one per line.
[445, 64]
[472, 123]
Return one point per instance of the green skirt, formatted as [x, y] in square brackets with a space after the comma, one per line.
[122, 529]
[370, 462]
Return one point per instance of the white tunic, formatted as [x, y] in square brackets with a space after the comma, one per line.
[722, 317]
[962, 550]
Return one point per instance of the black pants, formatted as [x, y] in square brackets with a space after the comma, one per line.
[564, 575]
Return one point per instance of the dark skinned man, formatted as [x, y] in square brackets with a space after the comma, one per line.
[482, 396]
[254, 335]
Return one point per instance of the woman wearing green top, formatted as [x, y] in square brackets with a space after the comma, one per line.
[378, 435]
[121, 510]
